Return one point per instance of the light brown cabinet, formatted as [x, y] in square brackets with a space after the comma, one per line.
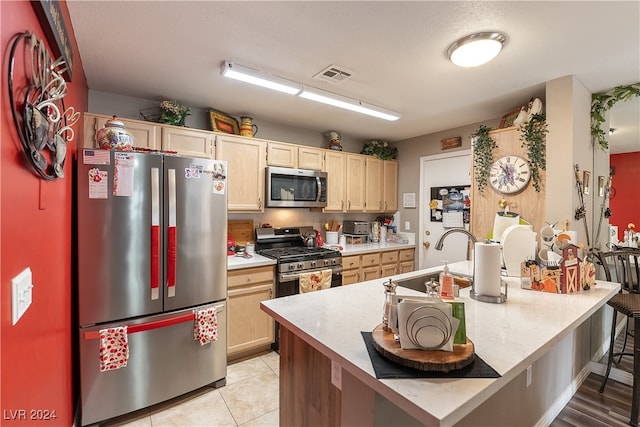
[145, 134]
[390, 185]
[406, 260]
[355, 169]
[350, 269]
[294, 156]
[188, 142]
[249, 328]
[154, 136]
[374, 265]
[335, 165]
[282, 155]
[373, 184]
[310, 158]
[246, 159]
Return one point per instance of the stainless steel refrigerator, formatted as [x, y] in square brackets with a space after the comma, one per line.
[151, 232]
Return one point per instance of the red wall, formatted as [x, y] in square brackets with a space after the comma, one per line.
[35, 232]
[624, 204]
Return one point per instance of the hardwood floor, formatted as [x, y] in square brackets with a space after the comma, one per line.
[589, 408]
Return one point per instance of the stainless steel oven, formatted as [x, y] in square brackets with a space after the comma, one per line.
[285, 245]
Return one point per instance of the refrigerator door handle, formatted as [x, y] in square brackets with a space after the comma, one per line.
[171, 231]
[155, 233]
[156, 324]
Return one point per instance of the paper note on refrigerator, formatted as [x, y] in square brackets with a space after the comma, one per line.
[123, 174]
[98, 180]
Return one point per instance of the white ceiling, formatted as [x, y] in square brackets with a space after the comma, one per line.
[174, 49]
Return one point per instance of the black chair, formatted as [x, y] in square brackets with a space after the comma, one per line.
[622, 266]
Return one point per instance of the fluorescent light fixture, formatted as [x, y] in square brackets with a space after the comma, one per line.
[259, 78]
[476, 49]
[347, 103]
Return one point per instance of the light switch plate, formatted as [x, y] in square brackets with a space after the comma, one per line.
[21, 294]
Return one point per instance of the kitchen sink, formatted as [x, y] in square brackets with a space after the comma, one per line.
[418, 283]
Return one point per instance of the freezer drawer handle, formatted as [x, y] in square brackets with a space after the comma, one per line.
[154, 325]
[147, 326]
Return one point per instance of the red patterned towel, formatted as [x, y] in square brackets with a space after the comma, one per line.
[114, 348]
[205, 327]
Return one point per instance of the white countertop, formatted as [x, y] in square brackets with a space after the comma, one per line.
[236, 262]
[509, 337]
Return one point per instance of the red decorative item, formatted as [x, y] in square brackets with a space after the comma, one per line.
[319, 241]
[231, 245]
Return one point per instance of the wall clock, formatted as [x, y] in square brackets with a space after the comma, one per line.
[509, 174]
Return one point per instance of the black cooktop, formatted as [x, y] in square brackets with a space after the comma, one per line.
[299, 253]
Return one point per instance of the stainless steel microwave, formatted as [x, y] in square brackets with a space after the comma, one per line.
[295, 188]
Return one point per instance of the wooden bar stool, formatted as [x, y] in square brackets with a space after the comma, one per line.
[622, 266]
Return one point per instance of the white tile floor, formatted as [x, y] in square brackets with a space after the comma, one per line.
[250, 398]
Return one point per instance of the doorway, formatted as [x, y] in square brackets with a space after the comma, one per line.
[441, 171]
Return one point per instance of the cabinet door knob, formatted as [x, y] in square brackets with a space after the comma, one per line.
[426, 245]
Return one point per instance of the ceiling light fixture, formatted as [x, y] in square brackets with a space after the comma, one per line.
[340, 101]
[476, 49]
[259, 78]
[270, 81]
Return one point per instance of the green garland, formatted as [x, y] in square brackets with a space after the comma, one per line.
[483, 146]
[601, 102]
[533, 138]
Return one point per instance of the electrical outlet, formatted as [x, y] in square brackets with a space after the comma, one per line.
[528, 375]
[336, 375]
[21, 294]
[407, 226]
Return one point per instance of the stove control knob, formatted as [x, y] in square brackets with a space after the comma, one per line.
[334, 261]
[300, 265]
[313, 263]
[291, 267]
[326, 262]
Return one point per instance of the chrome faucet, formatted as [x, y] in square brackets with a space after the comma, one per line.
[440, 241]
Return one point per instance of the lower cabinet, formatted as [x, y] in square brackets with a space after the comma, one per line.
[351, 269]
[374, 265]
[405, 260]
[249, 329]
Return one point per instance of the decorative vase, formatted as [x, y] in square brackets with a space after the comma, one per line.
[114, 136]
[247, 128]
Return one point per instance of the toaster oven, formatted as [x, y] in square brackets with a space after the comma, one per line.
[356, 227]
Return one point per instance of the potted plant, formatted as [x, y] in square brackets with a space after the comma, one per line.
[173, 113]
[533, 137]
[381, 149]
[483, 146]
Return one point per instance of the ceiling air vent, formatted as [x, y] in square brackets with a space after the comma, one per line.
[334, 74]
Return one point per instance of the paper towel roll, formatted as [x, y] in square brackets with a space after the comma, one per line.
[486, 269]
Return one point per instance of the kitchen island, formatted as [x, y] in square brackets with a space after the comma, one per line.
[321, 343]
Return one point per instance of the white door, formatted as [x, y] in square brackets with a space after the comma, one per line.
[441, 170]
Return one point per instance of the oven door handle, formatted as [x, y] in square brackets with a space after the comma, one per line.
[288, 277]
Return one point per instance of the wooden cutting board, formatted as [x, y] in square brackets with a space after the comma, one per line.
[241, 230]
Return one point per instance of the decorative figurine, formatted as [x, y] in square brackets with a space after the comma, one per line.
[335, 141]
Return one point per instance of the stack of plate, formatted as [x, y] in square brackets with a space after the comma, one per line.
[427, 325]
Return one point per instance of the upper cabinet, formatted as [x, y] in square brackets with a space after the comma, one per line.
[390, 185]
[335, 164]
[188, 142]
[145, 134]
[294, 156]
[154, 136]
[373, 184]
[310, 158]
[246, 159]
[355, 182]
[282, 155]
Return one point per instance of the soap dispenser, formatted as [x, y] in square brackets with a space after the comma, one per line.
[446, 283]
